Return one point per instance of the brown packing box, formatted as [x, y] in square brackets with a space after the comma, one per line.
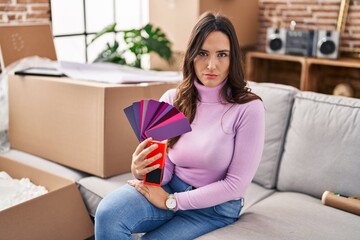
[59, 214]
[22, 40]
[80, 124]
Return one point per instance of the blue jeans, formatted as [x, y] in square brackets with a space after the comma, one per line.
[126, 211]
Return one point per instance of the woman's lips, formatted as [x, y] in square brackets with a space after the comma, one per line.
[211, 76]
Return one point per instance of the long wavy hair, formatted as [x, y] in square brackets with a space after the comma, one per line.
[234, 90]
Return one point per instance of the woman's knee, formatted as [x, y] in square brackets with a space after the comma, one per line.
[111, 205]
[103, 212]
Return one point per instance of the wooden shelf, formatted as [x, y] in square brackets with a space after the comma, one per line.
[323, 75]
[308, 74]
[285, 69]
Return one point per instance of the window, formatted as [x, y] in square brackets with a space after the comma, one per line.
[75, 23]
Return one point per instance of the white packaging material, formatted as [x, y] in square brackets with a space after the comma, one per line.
[15, 191]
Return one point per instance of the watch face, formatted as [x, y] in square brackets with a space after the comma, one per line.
[171, 203]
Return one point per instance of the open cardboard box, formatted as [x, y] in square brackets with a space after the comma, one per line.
[80, 124]
[59, 214]
[22, 40]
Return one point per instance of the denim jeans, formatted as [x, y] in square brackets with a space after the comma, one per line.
[126, 211]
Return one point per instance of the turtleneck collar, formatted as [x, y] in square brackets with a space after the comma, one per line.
[209, 94]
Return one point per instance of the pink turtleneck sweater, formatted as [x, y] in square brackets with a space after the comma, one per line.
[222, 152]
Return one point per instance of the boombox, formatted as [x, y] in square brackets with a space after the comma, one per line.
[301, 43]
[309, 43]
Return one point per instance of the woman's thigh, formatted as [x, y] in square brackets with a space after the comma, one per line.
[126, 211]
[191, 224]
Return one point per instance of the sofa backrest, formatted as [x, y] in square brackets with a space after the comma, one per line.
[322, 146]
[278, 100]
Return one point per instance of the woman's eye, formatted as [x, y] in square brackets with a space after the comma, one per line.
[223, 54]
[202, 54]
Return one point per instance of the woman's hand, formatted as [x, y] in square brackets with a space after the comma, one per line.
[156, 195]
[140, 165]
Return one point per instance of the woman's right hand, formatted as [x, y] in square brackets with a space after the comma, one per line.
[140, 164]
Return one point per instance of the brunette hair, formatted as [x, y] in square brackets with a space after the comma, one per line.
[234, 90]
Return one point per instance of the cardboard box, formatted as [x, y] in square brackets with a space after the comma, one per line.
[22, 40]
[59, 214]
[80, 124]
[243, 14]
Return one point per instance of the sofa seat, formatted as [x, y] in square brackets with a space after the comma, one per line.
[290, 215]
[94, 189]
[255, 193]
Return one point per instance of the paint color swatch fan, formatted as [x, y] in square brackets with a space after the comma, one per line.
[161, 121]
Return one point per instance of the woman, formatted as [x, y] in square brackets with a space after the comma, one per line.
[208, 169]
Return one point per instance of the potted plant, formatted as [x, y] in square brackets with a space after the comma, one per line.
[139, 42]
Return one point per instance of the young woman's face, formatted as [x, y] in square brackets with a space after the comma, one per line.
[212, 62]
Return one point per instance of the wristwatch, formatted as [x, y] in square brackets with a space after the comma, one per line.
[171, 202]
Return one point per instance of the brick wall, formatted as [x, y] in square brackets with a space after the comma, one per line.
[17, 11]
[351, 36]
[311, 14]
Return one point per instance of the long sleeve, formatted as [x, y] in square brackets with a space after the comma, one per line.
[248, 142]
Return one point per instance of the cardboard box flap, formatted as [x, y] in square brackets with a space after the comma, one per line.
[18, 41]
[59, 214]
[18, 170]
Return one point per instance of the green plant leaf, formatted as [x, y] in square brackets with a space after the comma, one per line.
[111, 54]
[108, 29]
[139, 42]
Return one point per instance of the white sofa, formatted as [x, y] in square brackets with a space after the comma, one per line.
[312, 145]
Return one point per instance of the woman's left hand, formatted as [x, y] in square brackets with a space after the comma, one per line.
[156, 195]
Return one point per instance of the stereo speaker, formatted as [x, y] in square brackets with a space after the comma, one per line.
[328, 44]
[276, 40]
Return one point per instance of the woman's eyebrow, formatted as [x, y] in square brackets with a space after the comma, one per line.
[225, 50]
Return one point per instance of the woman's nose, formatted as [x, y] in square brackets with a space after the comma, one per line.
[211, 63]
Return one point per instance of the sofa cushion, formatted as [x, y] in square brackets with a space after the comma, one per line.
[93, 189]
[255, 193]
[278, 100]
[322, 147]
[290, 216]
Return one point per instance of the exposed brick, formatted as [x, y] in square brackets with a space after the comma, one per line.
[295, 8]
[32, 1]
[12, 17]
[274, 2]
[326, 15]
[38, 16]
[334, 10]
[327, 3]
[356, 31]
[40, 8]
[347, 38]
[13, 8]
[291, 14]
